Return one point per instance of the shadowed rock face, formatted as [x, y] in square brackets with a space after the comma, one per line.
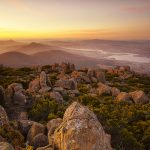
[80, 130]
[2, 96]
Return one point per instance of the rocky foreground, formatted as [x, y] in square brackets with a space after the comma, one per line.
[65, 124]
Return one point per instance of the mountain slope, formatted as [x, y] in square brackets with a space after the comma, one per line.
[17, 59]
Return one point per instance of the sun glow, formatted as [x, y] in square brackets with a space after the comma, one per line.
[74, 19]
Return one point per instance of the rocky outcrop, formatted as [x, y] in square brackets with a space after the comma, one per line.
[17, 94]
[96, 75]
[81, 130]
[124, 72]
[40, 140]
[103, 89]
[40, 84]
[2, 96]
[6, 146]
[80, 77]
[68, 84]
[3, 117]
[43, 83]
[67, 67]
[34, 86]
[123, 96]
[35, 129]
[139, 97]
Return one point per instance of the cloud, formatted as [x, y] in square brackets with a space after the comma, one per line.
[136, 9]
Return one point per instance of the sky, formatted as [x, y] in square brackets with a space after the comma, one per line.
[75, 19]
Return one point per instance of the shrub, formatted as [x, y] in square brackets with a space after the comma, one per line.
[45, 109]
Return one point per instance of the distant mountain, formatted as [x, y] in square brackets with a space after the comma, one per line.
[34, 47]
[9, 43]
[17, 59]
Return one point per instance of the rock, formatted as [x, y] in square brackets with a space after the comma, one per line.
[3, 117]
[23, 116]
[24, 126]
[68, 84]
[34, 86]
[67, 67]
[115, 91]
[80, 77]
[43, 83]
[57, 96]
[51, 126]
[35, 129]
[139, 97]
[17, 94]
[80, 130]
[104, 89]
[58, 89]
[73, 93]
[110, 70]
[40, 140]
[6, 146]
[2, 96]
[94, 80]
[48, 147]
[96, 73]
[123, 96]
[2, 139]
[100, 76]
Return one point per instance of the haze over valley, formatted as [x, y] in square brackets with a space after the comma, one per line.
[83, 53]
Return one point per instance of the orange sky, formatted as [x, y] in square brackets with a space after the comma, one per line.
[109, 19]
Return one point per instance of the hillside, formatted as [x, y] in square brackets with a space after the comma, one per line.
[41, 106]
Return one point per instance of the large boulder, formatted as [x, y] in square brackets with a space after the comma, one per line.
[43, 83]
[139, 97]
[123, 96]
[35, 129]
[68, 84]
[3, 117]
[17, 93]
[103, 89]
[81, 130]
[2, 96]
[40, 84]
[40, 140]
[6, 146]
